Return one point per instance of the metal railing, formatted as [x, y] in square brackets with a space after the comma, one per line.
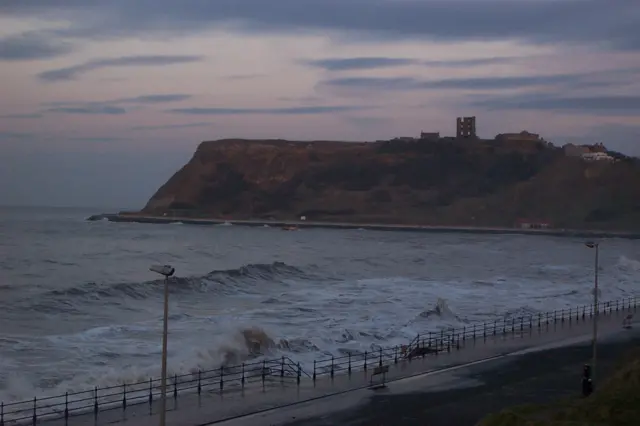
[283, 370]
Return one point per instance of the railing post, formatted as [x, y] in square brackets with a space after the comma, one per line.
[380, 362]
[617, 308]
[124, 397]
[504, 327]
[484, 325]
[365, 360]
[584, 309]
[222, 378]
[555, 316]
[395, 354]
[66, 406]
[150, 396]
[521, 324]
[95, 402]
[282, 367]
[562, 316]
[175, 387]
[474, 332]
[577, 313]
[464, 333]
[349, 367]
[35, 415]
[314, 371]
[242, 377]
[495, 327]
[332, 367]
[513, 325]
[200, 379]
[539, 319]
[264, 371]
[299, 374]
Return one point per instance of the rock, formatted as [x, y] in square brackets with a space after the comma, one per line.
[445, 182]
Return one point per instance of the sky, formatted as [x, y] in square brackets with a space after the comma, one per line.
[102, 101]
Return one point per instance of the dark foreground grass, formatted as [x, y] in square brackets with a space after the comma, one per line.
[615, 403]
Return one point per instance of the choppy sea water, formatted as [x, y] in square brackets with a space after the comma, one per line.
[79, 306]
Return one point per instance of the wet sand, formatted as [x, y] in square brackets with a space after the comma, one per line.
[535, 378]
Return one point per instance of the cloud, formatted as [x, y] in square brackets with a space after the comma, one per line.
[96, 139]
[477, 83]
[307, 110]
[172, 126]
[579, 80]
[599, 23]
[611, 104]
[15, 135]
[244, 76]
[152, 99]
[89, 109]
[21, 116]
[463, 63]
[73, 72]
[364, 63]
[32, 46]
[112, 106]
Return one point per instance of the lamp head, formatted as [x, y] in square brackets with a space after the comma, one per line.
[591, 244]
[166, 270]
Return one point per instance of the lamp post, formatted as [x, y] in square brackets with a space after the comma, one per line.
[594, 245]
[166, 271]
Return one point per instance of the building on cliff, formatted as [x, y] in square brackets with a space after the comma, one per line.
[429, 136]
[596, 152]
[597, 156]
[522, 136]
[466, 127]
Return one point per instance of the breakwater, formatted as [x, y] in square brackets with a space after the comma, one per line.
[578, 233]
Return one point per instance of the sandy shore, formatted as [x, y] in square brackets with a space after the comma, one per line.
[540, 377]
[368, 226]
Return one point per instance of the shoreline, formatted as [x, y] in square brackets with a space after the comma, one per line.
[367, 226]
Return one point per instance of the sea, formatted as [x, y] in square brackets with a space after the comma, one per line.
[80, 308]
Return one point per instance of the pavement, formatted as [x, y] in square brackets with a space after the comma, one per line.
[465, 395]
[283, 402]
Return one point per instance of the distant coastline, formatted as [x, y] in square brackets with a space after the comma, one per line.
[583, 233]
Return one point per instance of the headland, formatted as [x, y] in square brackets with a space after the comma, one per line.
[514, 183]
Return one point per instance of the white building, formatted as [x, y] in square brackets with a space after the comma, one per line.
[597, 156]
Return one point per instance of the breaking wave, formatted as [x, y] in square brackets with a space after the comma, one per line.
[220, 282]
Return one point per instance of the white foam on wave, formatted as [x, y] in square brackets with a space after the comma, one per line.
[303, 320]
[629, 264]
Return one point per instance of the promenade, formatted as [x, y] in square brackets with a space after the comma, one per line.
[137, 218]
[285, 384]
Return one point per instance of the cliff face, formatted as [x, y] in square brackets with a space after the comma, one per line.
[445, 182]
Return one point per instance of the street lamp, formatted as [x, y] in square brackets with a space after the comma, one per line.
[166, 271]
[594, 245]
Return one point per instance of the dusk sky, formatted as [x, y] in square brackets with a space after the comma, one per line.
[101, 102]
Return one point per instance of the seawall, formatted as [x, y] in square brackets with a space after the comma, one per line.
[576, 233]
